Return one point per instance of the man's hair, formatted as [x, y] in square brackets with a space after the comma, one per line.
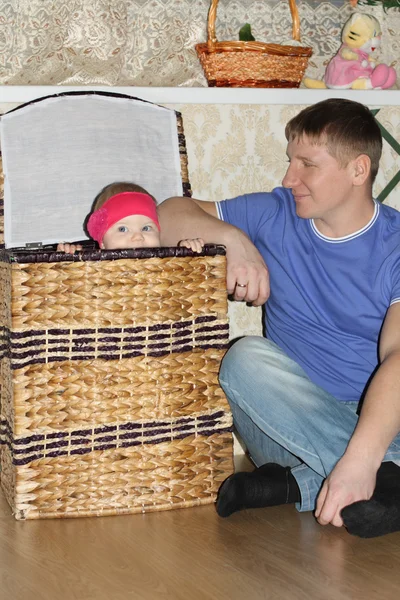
[118, 187]
[345, 127]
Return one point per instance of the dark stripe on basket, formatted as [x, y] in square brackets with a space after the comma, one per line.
[55, 345]
[46, 254]
[26, 449]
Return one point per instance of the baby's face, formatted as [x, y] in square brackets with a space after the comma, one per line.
[135, 231]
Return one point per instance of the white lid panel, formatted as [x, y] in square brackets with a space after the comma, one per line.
[59, 152]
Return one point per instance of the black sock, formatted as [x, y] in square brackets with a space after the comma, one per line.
[381, 514]
[269, 485]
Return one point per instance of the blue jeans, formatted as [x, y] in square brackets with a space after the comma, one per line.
[283, 417]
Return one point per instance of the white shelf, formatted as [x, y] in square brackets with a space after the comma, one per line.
[203, 95]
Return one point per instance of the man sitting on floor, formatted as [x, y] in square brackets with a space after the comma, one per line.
[317, 400]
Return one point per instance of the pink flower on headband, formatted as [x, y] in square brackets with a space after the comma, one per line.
[97, 224]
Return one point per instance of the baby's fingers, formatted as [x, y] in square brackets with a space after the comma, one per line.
[195, 244]
[69, 248]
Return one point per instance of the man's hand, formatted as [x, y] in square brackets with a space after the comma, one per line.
[350, 481]
[247, 274]
[354, 476]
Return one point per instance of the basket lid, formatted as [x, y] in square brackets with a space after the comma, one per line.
[61, 150]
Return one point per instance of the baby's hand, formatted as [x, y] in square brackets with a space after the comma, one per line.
[196, 244]
[69, 248]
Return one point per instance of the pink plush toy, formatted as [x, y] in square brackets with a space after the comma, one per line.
[354, 65]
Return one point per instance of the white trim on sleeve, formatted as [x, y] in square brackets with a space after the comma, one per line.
[219, 211]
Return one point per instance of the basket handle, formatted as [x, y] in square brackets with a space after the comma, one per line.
[212, 15]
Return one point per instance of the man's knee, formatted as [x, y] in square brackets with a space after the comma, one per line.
[239, 361]
[256, 363]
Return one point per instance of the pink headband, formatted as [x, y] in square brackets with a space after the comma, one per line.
[116, 208]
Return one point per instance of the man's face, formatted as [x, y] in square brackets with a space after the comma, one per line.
[319, 184]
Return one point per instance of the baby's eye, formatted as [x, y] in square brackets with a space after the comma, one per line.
[122, 229]
[147, 228]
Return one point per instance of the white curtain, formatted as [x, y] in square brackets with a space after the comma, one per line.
[142, 43]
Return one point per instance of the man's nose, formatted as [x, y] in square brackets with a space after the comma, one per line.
[291, 178]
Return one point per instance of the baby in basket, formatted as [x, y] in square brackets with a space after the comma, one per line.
[124, 216]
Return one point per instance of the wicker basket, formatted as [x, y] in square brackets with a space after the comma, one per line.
[252, 64]
[110, 401]
[109, 381]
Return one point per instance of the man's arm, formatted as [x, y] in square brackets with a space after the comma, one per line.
[354, 476]
[182, 218]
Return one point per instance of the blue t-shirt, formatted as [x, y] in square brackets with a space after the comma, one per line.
[329, 296]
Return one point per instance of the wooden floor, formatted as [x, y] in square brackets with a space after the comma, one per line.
[269, 554]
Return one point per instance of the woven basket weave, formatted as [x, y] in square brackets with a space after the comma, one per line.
[110, 401]
[109, 381]
[252, 64]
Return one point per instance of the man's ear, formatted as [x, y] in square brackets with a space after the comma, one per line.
[361, 169]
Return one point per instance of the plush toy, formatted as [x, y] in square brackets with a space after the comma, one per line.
[354, 65]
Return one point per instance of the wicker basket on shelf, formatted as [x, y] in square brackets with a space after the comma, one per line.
[253, 64]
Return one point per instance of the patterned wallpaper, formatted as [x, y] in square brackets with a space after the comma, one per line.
[151, 42]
